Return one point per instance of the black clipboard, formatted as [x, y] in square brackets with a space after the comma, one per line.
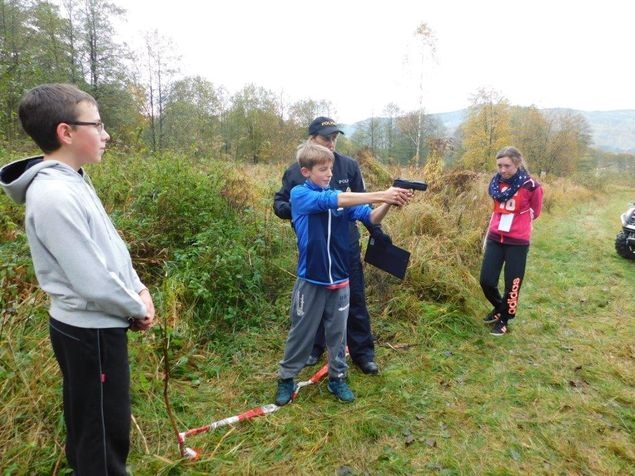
[390, 258]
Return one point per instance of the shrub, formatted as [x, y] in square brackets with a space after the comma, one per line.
[193, 224]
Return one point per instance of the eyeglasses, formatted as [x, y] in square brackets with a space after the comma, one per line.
[98, 124]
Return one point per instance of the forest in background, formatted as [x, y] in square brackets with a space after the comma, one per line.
[611, 131]
[149, 108]
[188, 180]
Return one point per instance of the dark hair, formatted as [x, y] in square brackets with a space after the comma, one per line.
[44, 107]
[514, 154]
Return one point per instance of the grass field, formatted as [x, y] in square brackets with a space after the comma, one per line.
[554, 396]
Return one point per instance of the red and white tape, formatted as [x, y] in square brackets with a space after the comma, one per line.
[190, 453]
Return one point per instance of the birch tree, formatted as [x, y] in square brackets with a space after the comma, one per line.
[486, 129]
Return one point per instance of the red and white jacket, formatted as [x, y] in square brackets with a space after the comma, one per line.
[511, 221]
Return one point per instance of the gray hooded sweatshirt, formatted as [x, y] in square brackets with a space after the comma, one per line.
[80, 260]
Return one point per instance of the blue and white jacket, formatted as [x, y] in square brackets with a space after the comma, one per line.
[322, 231]
[347, 177]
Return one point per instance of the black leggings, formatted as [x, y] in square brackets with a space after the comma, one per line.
[514, 257]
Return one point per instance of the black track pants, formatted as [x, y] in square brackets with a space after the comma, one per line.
[514, 259]
[96, 389]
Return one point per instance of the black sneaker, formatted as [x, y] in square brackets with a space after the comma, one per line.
[493, 316]
[286, 389]
[369, 367]
[499, 329]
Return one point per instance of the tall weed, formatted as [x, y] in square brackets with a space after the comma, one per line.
[192, 223]
[449, 399]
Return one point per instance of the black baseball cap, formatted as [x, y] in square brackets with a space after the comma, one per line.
[324, 126]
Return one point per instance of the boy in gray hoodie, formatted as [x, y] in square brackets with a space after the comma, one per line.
[84, 266]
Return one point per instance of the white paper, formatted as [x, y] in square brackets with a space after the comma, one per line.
[505, 223]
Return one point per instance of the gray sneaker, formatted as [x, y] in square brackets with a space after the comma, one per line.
[339, 388]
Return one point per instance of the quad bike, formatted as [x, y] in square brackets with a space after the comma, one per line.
[625, 239]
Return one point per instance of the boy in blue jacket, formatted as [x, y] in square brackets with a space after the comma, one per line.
[321, 219]
[347, 177]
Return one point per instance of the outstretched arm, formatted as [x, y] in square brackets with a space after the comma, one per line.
[357, 185]
[391, 196]
[378, 214]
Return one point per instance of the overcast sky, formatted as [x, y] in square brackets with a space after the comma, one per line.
[362, 55]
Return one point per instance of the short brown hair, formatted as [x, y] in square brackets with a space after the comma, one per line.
[311, 154]
[44, 107]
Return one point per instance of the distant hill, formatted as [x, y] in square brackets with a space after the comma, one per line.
[612, 131]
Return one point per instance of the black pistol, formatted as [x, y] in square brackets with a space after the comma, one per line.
[410, 184]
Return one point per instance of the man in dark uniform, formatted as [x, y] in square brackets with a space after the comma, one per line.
[346, 177]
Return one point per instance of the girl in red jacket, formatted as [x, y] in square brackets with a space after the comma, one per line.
[517, 201]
